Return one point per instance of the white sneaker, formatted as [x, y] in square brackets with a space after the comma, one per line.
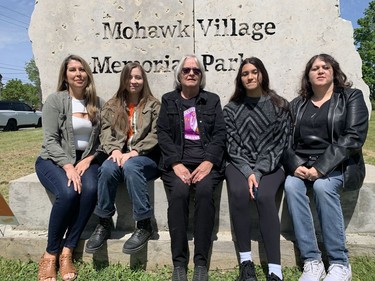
[339, 272]
[313, 271]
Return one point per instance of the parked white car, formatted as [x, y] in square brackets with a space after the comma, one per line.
[15, 115]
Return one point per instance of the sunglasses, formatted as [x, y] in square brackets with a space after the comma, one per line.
[186, 70]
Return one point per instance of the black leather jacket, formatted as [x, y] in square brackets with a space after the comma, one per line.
[347, 124]
[171, 129]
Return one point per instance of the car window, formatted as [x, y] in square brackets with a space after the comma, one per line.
[22, 107]
[18, 107]
[4, 106]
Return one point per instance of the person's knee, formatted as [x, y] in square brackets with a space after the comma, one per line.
[131, 168]
[90, 187]
[203, 192]
[288, 188]
[293, 185]
[265, 199]
[322, 188]
[238, 193]
[180, 191]
[67, 194]
[108, 168]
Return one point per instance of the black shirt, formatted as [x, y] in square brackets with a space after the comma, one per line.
[314, 122]
[193, 153]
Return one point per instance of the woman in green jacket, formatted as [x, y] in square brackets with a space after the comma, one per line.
[67, 165]
[128, 136]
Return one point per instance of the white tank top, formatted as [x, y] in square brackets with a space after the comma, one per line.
[82, 127]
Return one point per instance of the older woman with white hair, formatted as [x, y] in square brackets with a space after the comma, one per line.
[191, 135]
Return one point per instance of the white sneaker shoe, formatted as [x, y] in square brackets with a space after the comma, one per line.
[339, 272]
[313, 271]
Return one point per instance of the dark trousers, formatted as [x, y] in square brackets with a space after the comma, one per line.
[70, 211]
[178, 216]
[239, 205]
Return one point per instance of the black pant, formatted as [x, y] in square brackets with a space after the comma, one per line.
[178, 216]
[239, 205]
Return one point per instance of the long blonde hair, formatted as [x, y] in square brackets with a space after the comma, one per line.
[91, 99]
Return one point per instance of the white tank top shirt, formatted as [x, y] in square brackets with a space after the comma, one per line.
[81, 127]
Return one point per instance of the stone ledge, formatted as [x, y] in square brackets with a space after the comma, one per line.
[31, 205]
[30, 244]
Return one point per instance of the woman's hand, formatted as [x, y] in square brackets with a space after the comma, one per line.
[116, 156]
[302, 172]
[201, 171]
[252, 181]
[182, 172]
[313, 174]
[73, 177]
[126, 156]
[83, 165]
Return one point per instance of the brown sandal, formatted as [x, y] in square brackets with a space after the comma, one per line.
[66, 266]
[47, 268]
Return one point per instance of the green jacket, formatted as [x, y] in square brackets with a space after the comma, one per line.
[58, 144]
[144, 139]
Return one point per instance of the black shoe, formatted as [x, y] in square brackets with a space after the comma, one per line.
[179, 274]
[273, 277]
[139, 238]
[200, 273]
[247, 272]
[101, 233]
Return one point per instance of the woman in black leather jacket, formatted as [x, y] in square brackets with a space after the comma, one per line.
[330, 122]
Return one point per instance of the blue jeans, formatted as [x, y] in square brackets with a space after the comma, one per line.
[136, 172]
[327, 192]
[70, 211]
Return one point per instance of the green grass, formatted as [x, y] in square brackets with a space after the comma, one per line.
[11, 270]
[369, 147]
[19, 150]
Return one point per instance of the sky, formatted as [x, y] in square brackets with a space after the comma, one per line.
[15, 46]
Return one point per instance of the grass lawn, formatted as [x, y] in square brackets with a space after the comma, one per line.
[10, 270]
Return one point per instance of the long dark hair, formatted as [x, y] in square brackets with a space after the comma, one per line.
[339, 77]
[240, 91]
[119, 102]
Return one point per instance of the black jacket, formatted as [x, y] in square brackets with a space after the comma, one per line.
[211, 126]
[347, 125]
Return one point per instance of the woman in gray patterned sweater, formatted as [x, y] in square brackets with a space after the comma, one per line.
[257, 123]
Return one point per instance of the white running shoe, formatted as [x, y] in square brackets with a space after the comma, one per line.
[313, 271]
[339, 272]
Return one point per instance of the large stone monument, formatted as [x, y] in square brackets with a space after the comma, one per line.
[111, 33]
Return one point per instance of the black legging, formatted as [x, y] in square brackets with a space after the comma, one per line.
[178, 214]
[239, 204]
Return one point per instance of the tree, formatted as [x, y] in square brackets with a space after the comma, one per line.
[33, 75]
[364, 37]
[16, 90]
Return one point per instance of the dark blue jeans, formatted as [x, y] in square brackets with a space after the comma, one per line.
[70, 211]
[136, 172]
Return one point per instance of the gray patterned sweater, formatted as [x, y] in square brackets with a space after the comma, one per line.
[257, 135]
